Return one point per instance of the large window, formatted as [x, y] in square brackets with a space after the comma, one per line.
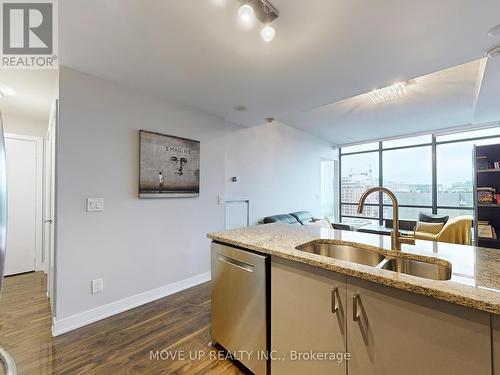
[408, 173]
[454, 174]
[359, 172]
[428, 173]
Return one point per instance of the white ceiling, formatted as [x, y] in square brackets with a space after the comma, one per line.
[33, 92]
[194, 51]
[438, 100]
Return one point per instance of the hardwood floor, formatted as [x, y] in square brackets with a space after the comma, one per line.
[117, 345]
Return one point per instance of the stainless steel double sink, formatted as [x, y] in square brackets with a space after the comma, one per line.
[401, 264]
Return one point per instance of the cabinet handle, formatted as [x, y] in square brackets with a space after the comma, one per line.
[335, 306]
[355, 313]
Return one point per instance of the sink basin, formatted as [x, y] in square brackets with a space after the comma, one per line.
[418, 268]
[343, 252]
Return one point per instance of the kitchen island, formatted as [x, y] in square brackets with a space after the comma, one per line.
[388, 322]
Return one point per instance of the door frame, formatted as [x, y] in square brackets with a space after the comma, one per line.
[39, 142]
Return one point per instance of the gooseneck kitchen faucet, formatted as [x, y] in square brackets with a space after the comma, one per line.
[396, 237]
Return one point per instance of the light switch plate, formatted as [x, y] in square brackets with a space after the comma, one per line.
[220, 199]
[95, 204]
[97, 286]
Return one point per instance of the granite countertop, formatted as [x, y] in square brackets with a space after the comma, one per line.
[475, 281]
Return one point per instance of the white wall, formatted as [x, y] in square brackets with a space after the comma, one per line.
[138, 245]
[22, 125]
[278, 169]
[135, 245]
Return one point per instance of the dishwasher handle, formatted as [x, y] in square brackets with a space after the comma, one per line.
[236, 263]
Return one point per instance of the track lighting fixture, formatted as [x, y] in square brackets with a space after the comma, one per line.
[262, 10]
[246, 14]
[267, 33]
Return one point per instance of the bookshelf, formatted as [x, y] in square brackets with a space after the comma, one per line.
[487, 176]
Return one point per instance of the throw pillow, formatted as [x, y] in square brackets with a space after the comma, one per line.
[429, 218]
[432, 228]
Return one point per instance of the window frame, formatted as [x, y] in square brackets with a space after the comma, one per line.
[434, 183]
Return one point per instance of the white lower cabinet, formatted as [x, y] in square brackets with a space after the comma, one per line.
[304, 320]
[386, 331]
[391, 332]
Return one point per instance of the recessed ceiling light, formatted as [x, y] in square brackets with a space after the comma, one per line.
[240, 108]
[494, 52]
[389, 93]
[270, 119]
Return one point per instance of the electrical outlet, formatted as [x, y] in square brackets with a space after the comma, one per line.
[95, 204]
[97, 286]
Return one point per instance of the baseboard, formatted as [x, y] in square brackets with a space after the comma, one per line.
[60, 326]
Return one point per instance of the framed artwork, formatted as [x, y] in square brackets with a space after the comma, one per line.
[169, 167]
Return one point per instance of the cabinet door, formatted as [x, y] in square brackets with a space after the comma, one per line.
[304, 320]
[396, 332]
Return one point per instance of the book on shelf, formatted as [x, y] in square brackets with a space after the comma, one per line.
[486, 195]
[482, 162]
[485, 230]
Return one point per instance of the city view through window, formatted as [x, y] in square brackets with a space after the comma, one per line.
[406, 167]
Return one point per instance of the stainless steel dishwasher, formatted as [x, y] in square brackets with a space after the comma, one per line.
[240, 304]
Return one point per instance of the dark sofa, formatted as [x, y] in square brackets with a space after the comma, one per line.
[299, 218]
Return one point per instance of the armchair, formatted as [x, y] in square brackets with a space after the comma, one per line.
[457, 230]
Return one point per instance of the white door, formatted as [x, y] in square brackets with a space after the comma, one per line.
[22, 189]
[49, 205]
